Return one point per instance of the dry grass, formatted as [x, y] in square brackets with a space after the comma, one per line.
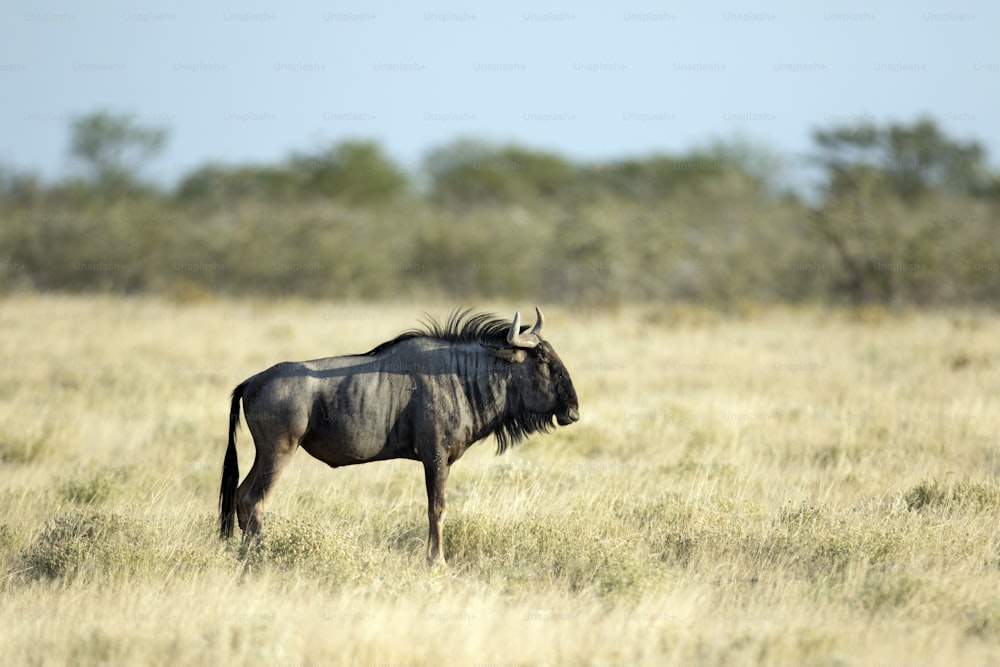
[780, 487]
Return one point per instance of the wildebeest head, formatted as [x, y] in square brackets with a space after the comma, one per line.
[546, 390]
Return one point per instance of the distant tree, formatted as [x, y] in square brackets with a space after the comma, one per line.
[18, 187]
[757, 164]
[906, 161]
[357, 172]
[872, 215]
[658, 177]
[218, 184]
[114, 147]
[473, 172]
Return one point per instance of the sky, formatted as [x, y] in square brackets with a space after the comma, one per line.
[252, 82]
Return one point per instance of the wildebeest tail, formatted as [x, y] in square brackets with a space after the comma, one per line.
[230, 470]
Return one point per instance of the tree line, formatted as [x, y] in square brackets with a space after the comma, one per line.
[901, 214]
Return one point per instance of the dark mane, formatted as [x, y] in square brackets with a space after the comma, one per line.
[514, 423]
[461, 327]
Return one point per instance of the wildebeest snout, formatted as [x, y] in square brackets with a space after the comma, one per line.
[566, 418]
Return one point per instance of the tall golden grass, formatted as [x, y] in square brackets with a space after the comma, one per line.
[774, 487]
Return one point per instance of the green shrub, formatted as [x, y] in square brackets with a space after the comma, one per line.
[23, 449]
[81, 542]
[305, 545]
[92, 485]
[573, 552]
[958, 496]
[28, 440]
[886, 592]
[984, 622]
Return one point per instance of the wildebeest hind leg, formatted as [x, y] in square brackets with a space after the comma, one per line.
[268, 465]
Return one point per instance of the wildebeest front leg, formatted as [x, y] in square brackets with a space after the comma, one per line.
[436, 476]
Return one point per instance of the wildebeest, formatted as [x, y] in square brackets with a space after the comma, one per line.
[427, 395]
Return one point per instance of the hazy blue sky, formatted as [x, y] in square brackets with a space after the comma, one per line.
[237, 82]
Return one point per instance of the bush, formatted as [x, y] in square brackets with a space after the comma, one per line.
[24, 448]
[958, 496]
[87, 542]
[576, 552]
[305, 545]
[92, 486]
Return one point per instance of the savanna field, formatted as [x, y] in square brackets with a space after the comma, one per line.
[775, 486]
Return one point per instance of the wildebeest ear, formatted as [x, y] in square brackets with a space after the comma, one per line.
[514, 356]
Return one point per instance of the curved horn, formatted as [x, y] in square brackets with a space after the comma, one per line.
[539, 322]
[518, 339]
